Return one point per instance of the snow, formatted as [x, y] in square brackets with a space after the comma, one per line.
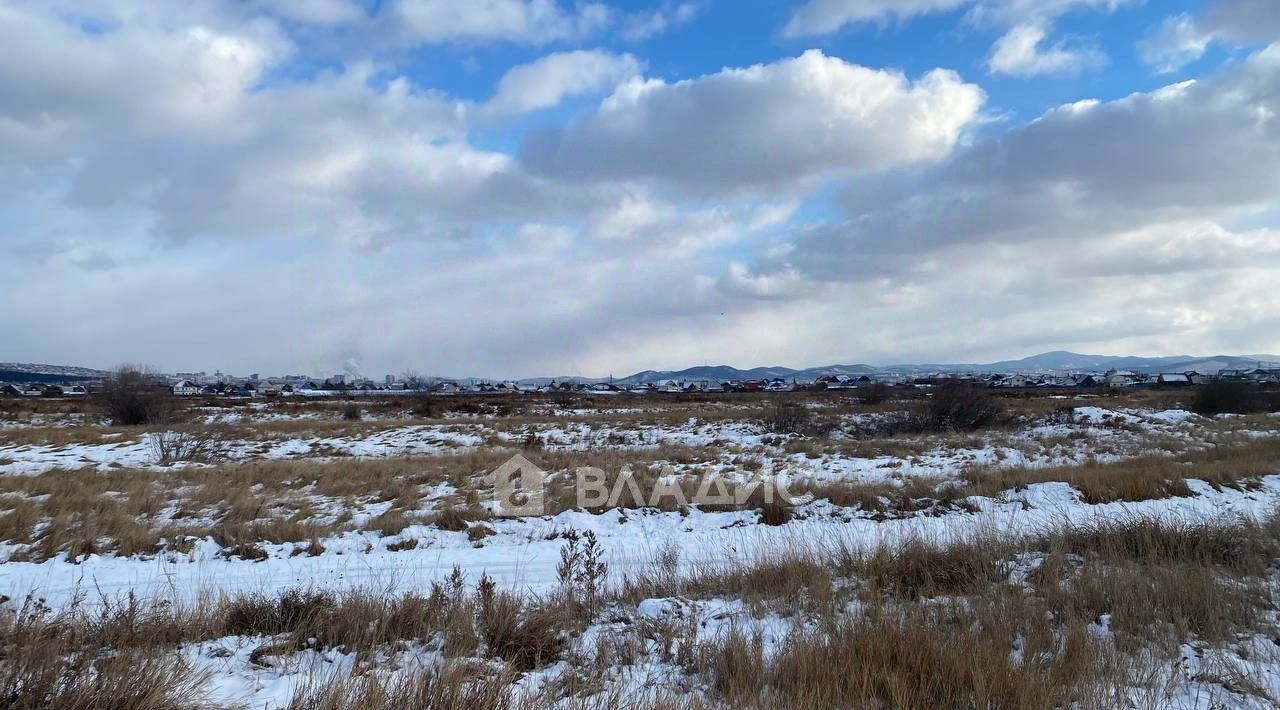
[523, 554]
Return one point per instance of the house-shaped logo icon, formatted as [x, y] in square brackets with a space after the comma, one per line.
[518, 488]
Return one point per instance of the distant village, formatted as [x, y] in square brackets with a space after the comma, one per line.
[200, 384]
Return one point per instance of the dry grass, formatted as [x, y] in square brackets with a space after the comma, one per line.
[45, 662]
[1144, 478]
[953, 631]
[457, 685]
[935, 625]
[920, 657]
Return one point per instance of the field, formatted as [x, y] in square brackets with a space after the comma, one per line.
[1056, 549]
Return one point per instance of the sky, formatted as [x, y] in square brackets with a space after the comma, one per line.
[513, 188]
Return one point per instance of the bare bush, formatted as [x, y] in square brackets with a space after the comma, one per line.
[131, 396]
[170, 447]
[876, 393]
[582, 570]
[423, 406]
[1223, 397]
[795, 418]
[957, 406]
[351, 412]
[525, 634]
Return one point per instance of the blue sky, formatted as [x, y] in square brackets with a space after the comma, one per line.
[533, 187]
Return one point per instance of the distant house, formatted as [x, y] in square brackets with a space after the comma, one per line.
[186, 388]
[1117, 381]
[1173, 379]
[10, 391]
[1018, 381]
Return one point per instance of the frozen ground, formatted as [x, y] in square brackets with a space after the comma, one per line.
[522, 554]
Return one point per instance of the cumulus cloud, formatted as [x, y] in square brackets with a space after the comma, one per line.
[203, 148]
[189, 161]
[527, 21]
[643, 25]
[1019, 53]
[1177, 42]
[1207, 150]
[1244, 20]
[1183, 38]
[317, 12]
[819, 17]
[545, 82]
[764, 126]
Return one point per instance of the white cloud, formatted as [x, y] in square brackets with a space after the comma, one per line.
[1244, 20]
[321, 214]
[763, 126]
[819, 17]
[528, 21]
[1019, 53]
[1177, 42]
[1182, 39]
[1206, 150]
[317, 12]
[547, 81]
[642, 26]
[202, 148]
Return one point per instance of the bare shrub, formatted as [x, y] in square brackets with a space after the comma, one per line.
[957, 406]
[351, 412]
[480, 531]
[774, 506]
[130, 396]
[457, 518]
[786, 417]
[423, 406]
[525, 634]
[531, 442]
[1224, 397]
[876, 393]
[186, 446]
[582, 570]
[246, 551]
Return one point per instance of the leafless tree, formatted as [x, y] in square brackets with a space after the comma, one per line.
[132, 396]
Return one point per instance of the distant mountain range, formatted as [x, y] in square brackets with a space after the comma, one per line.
[1057, 361]
[727, 372]
[28, 372]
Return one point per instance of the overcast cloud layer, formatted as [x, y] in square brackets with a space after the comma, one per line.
[523, 187]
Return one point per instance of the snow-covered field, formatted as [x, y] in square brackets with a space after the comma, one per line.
[390, 504]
